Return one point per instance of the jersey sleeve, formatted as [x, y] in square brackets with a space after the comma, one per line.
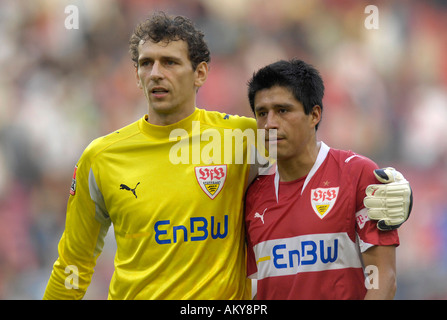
[81, 243]
[252, 268]
[369, 234]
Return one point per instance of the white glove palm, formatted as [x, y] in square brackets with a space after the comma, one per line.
[390, 202]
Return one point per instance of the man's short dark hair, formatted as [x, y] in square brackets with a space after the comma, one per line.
[302, 79]
[161, 27]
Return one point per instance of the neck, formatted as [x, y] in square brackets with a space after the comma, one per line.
[158, 118]
[298, 167]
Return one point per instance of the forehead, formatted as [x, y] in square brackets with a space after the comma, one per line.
[276, 95]
[175, 48]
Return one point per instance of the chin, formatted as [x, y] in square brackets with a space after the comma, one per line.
[161, 107]
[282, 156]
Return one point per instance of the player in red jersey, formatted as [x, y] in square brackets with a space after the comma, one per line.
[308, 231]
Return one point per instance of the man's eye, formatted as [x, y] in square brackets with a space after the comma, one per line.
[147, 63]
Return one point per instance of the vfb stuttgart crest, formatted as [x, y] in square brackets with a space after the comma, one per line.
[211, 179]
[323, 200]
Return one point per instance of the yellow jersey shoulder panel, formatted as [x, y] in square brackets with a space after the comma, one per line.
[227, 120]
[100, 144]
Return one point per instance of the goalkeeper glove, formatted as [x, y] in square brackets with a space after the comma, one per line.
[390, 202]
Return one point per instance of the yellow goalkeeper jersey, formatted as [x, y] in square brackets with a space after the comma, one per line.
[174, 197]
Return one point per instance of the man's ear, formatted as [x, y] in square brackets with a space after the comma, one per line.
[201, 74]
[315, 115]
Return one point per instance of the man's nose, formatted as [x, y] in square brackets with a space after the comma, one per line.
[156, 72]
[271, 121]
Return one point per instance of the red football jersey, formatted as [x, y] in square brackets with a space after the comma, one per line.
[305, 237]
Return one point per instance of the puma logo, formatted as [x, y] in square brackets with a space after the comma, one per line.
[351, 157]
[124, 187]
[258, 215]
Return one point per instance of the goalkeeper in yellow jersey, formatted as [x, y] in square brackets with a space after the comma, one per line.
[172, 190]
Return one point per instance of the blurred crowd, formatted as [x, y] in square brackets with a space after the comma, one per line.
[60, 88]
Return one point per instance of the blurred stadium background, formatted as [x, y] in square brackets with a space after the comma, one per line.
[386, 98]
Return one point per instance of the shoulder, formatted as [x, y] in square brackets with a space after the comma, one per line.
[225, 120]
[103, 143]
[260, 185]
[354, 167]
[350, 160]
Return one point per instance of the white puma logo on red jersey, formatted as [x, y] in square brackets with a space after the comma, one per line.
[356, 155]
[258, 215]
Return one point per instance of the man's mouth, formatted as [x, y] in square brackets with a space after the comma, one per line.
[273, 139]
[159, 92]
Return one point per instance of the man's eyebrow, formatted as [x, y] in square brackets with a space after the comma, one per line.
[143, 58]
[283, 105]
[275, 106]
[174, 58]
[260, 108]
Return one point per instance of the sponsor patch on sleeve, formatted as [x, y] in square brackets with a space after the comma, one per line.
[361, 217]
[73, 182]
